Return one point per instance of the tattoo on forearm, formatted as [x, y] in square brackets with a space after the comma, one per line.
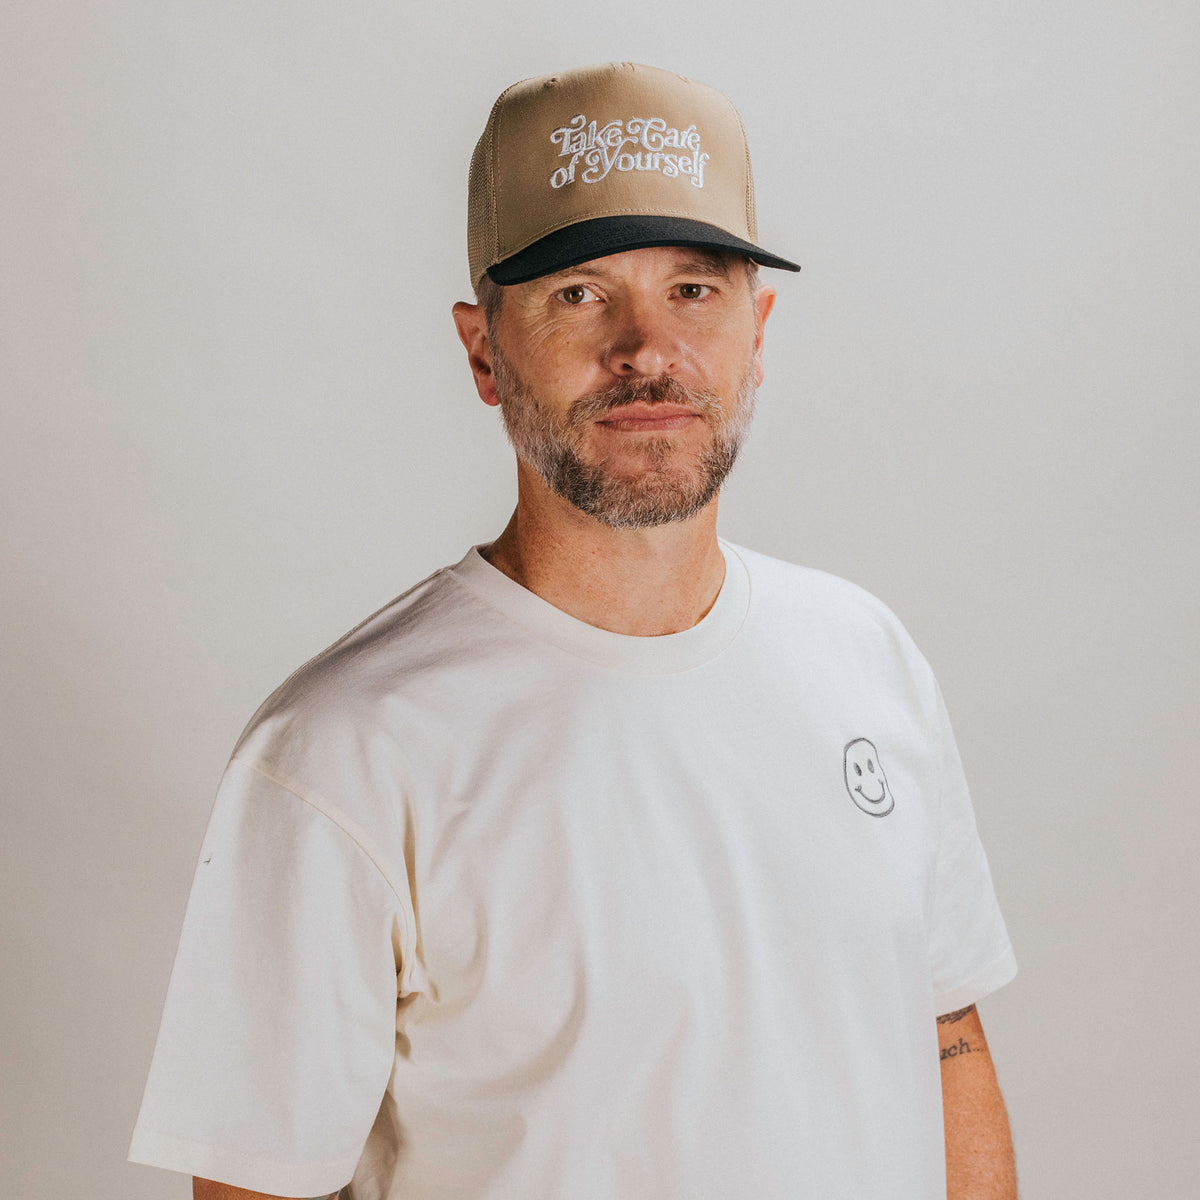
[950, 1018]
[963, 1047]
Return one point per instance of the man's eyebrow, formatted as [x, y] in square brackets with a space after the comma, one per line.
[568, 272]
[711, 266]
[719, 262]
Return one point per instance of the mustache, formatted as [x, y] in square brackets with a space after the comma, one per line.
[661, 389]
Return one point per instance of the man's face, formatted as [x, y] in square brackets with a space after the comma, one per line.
[627, 384]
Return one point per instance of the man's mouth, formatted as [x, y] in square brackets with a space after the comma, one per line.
[649, 417]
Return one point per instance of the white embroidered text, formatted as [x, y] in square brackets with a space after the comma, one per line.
[639, 144]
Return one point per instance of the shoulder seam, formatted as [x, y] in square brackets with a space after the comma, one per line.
[341, 821]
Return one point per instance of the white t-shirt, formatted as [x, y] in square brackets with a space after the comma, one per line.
[497, 904]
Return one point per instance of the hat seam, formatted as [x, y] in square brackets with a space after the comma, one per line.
[751, 215]
[494, 154]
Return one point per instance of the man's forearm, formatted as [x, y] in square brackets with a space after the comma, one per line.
[208, 1189]
[980, 1164]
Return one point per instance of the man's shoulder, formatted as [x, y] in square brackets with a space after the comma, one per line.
[343, 689]
[834, 624]
[777, 583]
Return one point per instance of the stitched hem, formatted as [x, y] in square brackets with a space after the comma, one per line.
[224, 1165]
[995, 975]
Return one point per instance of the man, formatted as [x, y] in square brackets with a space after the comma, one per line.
[614, 861]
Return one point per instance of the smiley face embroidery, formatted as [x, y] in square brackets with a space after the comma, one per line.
[865, 780]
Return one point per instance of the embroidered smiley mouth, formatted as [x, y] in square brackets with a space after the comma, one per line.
[878, 800]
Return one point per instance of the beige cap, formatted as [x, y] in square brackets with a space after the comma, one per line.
[597, 160]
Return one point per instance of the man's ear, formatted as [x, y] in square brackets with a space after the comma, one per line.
[471, 322]
[764, 301]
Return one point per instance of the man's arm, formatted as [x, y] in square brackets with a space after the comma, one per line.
[979, 1151]
[207, 1189]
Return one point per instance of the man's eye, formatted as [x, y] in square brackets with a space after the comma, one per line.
[575, 294]
[692, 291]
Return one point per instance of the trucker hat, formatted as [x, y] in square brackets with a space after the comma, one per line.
[602, 159]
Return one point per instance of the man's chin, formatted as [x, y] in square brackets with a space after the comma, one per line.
[638, 482]
[637, 500]
[646, 457]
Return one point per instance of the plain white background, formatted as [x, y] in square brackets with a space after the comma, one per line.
[236, 419]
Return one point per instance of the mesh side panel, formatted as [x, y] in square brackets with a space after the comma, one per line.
[481, 207]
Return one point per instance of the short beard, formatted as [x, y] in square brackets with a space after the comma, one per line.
[660, 493]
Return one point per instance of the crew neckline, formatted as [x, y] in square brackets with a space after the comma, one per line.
[661, 654]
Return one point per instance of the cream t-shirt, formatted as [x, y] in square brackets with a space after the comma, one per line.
[493, 903]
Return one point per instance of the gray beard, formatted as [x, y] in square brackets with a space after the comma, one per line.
[656, 495]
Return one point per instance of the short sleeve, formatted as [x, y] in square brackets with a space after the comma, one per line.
[970, 952]
[278, 1036]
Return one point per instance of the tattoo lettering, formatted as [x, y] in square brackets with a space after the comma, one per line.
[963, 1047]
[950, 1018]
[979, 1046]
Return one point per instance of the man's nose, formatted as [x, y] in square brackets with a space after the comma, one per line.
[645, 341]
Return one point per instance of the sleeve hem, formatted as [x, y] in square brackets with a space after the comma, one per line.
[995, 975]
[224, 1165]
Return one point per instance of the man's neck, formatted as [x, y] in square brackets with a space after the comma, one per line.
[642, 582]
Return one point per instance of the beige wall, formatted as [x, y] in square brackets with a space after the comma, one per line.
[236, 420]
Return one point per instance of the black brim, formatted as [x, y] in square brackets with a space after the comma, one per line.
[586, 240]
